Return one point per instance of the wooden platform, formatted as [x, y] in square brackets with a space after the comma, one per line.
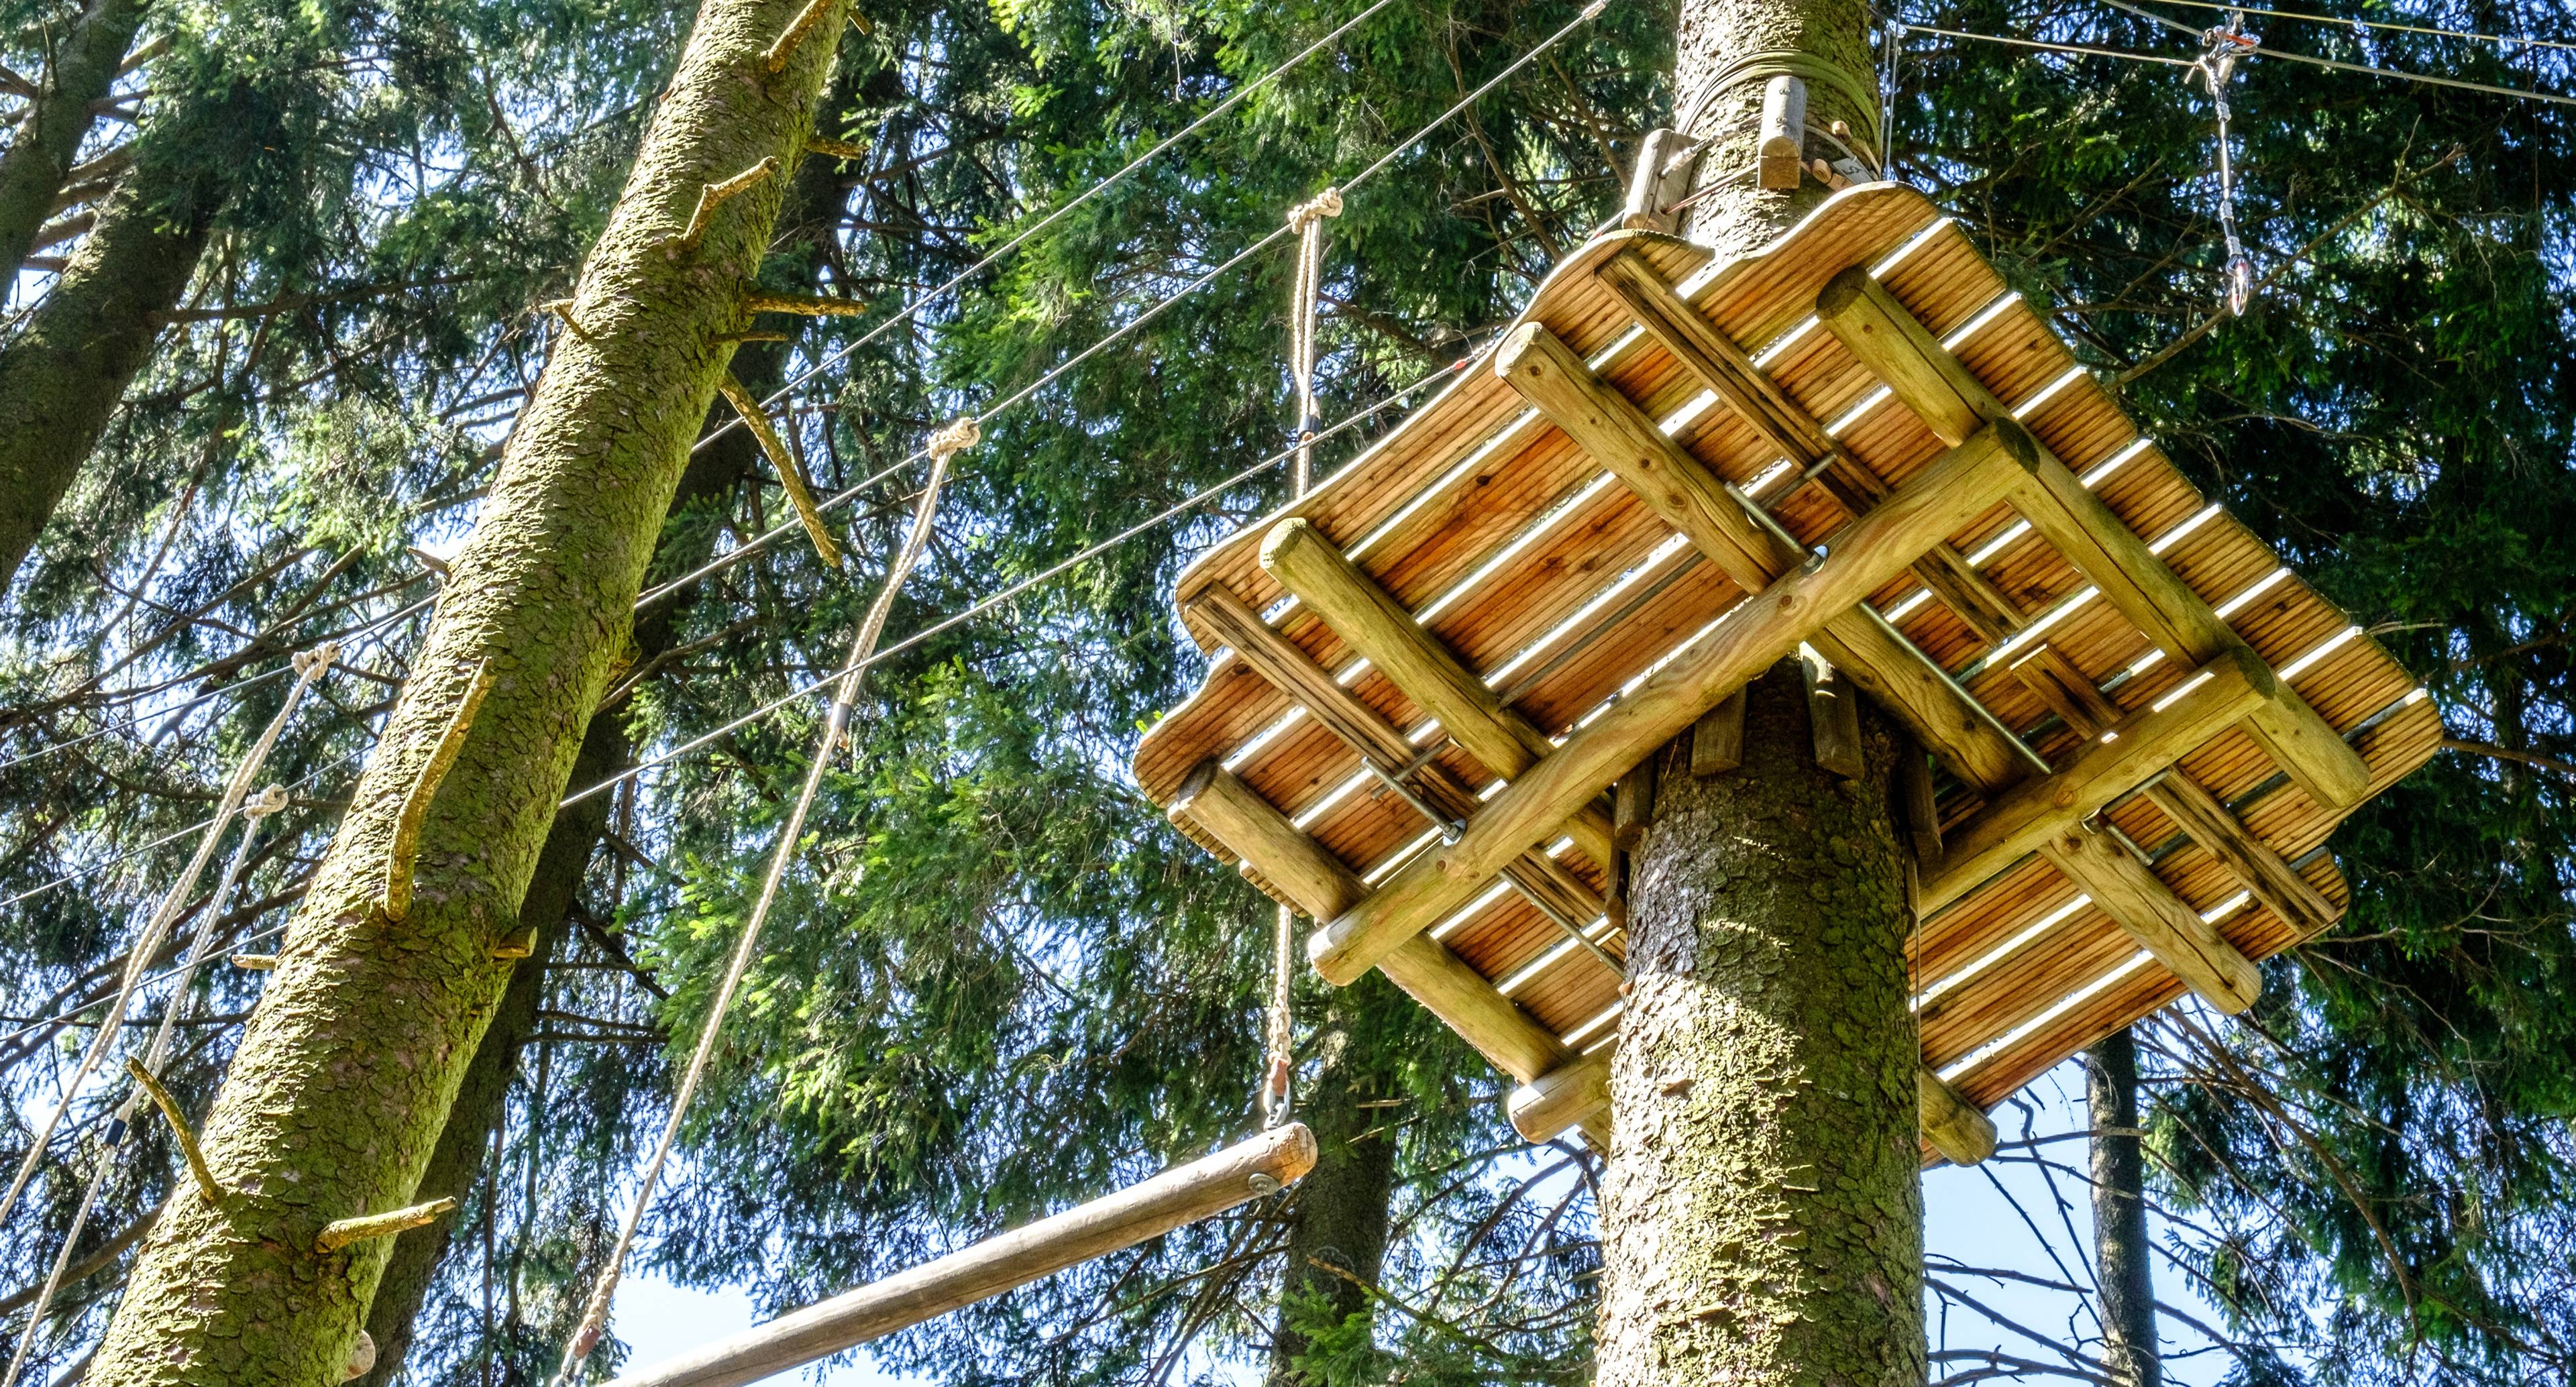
[2145, 727]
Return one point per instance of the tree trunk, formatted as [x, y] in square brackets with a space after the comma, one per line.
[1761, 1216]
[39, 159]
[2120, 1249]
[63, 377]
[1341, 1213]
[343, 1081]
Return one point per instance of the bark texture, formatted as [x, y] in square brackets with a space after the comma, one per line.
[39, 159]
[63, 377]
[1341, 1215]
[344, 1079]
[1717, 35]
[1761, 1215]
[2120, 1248]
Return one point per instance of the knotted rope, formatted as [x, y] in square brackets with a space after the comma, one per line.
[2217, 66]
[1307, 220]
[945, 444]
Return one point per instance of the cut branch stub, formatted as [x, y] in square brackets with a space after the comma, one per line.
[714, 195]
[790, 476]
[179, 1129]
[804, 24]
[339, 1233]
[396, 896]
[807, 305]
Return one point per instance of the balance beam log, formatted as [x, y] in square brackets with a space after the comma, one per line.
[1186, 1194]
[1753, 636]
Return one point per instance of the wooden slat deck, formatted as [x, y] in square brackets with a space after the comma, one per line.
[1547, 577]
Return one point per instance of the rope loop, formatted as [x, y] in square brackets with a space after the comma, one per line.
[961, 434]
[270, 801]
[1327, 203]
[305, 661]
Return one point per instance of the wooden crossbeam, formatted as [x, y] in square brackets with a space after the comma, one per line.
[1610, 427]
[1221, 805]
[1579, 1093]
[2163, 923]
[2265, 873]
[2139, 746]
[1753, 636]
[1952, 402]
[1296, 674]
[1729, 372]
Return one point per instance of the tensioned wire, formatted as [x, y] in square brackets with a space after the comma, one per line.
[2376, 24]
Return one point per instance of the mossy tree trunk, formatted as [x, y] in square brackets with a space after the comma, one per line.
[38, 161]
[344, 1078]
[62, 378]
[2120, 1247]
[1337, 1239]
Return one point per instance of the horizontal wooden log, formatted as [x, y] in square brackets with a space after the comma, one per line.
[1579, 1093]
[1185, 1194]
[2140, 746]
[2163, 923]
[1952, 402]
[1952, 1125]
[1293, 672]
[1614, 432]
[1235, 814]
[1755, 634]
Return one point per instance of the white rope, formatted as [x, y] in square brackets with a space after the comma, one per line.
[308, 668]
[947, 443]
[112, 1140]
[2217, 66]
[1307, 220]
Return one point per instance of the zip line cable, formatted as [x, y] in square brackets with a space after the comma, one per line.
[308, 669]
[2378, 24]
[112, 1141]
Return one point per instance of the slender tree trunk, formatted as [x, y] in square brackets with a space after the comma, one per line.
[38, 161]
[2120, 1249]
[62, 378]
[1341, 1214]
[343, 1081]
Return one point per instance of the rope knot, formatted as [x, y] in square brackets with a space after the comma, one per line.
[270, 801]
[1327, 203]
[960, 435]
[305, 661]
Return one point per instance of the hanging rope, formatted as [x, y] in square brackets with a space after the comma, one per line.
[947, 443]
[1307, 220]
[2217, 66]
[309, 666]
[112, 1140]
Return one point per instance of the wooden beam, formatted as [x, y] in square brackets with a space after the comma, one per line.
[2163, 923]
[1618, 435]
[1297, 675]
[2140, 746]
[1756, 634]
[1952, 402]
[1293, 672]
[1632, 803]
[1730, 373]
[1235, 814]
[1185, 1194]
[1951, 1124]
[1833, 719]
[2194, 810]
[1579, 1093]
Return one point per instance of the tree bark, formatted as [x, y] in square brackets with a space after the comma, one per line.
[1341, 1215]
[62, 378]
[344, 1079]
[1761, 1216]
[2120, 1248]
[39, 159]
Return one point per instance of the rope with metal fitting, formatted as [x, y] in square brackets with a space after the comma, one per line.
[112, 1139]
[309, 666]
[1307, 220]
[2217, 66]
[947, 443]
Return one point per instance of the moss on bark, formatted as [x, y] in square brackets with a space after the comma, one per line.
[38, 162]
[1761, 1216]
[346, 1074]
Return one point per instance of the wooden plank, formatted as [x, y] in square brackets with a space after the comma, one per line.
[1951, 401]
[1621, 437]
[1218, 802]
[1201, 1189]
[1756, 634]
[2162, 923]
[2139, 746]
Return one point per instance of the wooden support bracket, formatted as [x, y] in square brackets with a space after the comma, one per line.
[1717, 739]
[340, 1233]
[1951, 401]
[1833, 717]
[1617, 434]
[395, 896]
[790, 476]
[1756, 634]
